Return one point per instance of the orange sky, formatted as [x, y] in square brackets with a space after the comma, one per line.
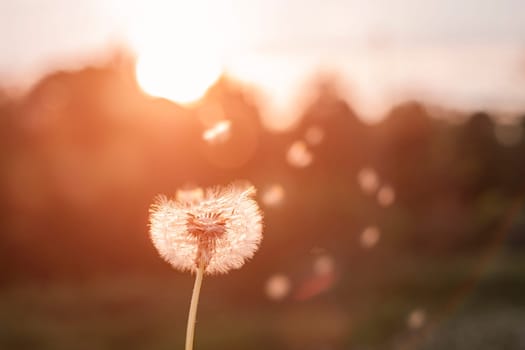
[469, 54]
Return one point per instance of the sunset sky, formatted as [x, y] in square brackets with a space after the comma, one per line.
[465, 54]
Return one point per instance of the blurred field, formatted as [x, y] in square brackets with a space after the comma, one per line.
[462, 310]
[438, 193]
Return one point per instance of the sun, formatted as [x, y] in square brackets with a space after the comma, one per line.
[179, 46]
[182, 78]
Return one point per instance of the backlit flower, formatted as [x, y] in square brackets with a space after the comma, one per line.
[218, 230]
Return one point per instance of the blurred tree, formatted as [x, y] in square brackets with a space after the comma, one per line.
[83, 154]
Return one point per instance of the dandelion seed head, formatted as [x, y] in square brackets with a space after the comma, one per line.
[221, 230]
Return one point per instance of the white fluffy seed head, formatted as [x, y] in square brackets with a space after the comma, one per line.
[220, 231]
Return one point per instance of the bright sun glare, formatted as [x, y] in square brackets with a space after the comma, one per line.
[183, 78]
[178, 47]
[182, 48]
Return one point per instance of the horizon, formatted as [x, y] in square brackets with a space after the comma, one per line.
[466, 56]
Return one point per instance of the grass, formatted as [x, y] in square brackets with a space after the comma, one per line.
[148, 312]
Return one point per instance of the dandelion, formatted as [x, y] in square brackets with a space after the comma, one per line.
[208, 234]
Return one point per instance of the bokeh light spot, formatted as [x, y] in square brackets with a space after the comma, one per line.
[314, 135]
[386, 196]
[368, 180]
[324, 265]
[416, 319]
[273, 195]
[277, 287]
[298, 155]
[370, 237]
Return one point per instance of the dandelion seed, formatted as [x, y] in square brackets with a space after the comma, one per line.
[298, 155]
[314, 135]
[386, 196]
[277, 287]
[273, 195]
[368, 180]
[370, 237]
[219, 133]
[416, 319]
[210, 231]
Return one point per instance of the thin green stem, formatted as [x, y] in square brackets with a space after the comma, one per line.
[192, 316]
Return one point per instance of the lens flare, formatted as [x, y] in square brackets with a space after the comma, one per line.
[218, 133]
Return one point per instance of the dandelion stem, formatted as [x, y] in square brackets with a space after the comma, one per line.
[192, 316]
